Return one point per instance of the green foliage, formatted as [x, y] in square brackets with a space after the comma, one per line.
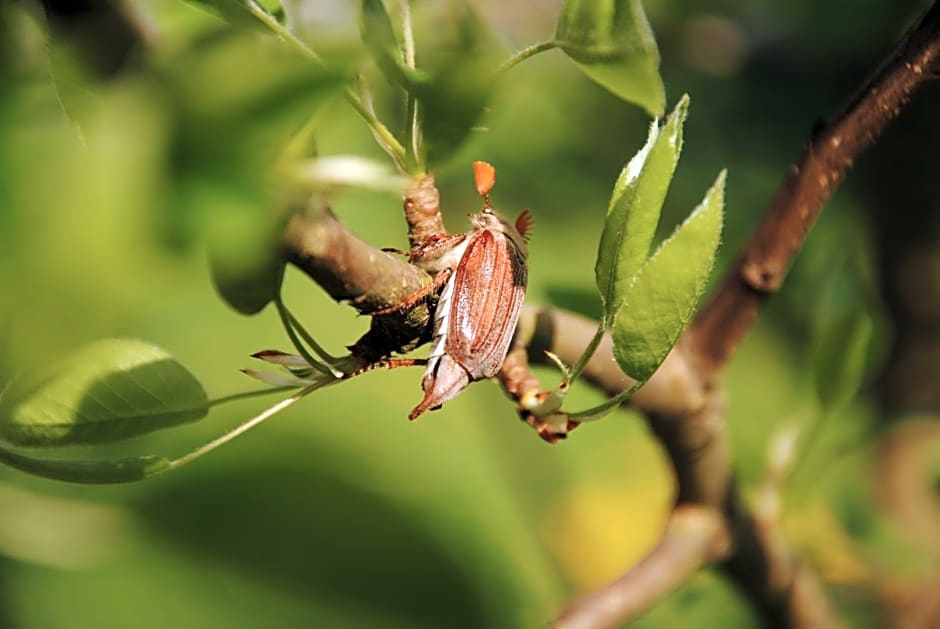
[613, 44]
[379, 37]
[244, 13]
[238, 128]
[109, 390]
[91, 472]
[463, 77]
[452, 86]
[647, 302]
[244, 252]
[634, 210]
[226, 157]
[659, 303]
[839, 359]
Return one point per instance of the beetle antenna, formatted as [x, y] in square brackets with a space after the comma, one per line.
[484, 176]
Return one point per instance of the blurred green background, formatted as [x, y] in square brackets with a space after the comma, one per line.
[123, 144]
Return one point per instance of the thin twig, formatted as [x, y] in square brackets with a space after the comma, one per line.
[525, 53]
[412, 115]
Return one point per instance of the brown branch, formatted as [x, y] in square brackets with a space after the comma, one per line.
[423, 211]
[694, 536]
[767, 256]
[353, 271]
[687, 418]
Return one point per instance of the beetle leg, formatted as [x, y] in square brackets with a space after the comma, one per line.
[391, 363]
[435, 245]
[398, 251]
[410, 301]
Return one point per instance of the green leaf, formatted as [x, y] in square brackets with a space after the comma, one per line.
[246, 283]
[109, 390]
[839, 359]
[245, 255]
[245, 13]
[379, 37]
[242, 108]
[453, 100]
[660, 302]
[634, 210]
[239, 101]
[87, 472]
[613, 44]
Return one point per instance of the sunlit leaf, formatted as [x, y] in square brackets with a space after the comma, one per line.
[109, 390]
[634, 210]
[660, 302]
[379, 37]
[839, 361]
[125, 470]
[613, 44]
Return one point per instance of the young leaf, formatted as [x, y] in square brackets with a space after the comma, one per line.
[379, 37]
[109, 390]
[87, 472]
[613, 44]
[660, 302]
[634, 210]
[839, 360]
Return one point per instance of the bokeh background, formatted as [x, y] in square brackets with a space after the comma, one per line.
[117, 158]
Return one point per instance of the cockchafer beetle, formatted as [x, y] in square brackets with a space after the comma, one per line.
[484, 274]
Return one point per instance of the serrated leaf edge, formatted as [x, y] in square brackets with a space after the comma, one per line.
[717, 186]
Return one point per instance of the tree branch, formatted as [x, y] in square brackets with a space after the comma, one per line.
[353, 271]
[423, 212]
[694, 536]
[687, 418]
[830, 152]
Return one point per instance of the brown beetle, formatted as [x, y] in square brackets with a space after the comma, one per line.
[484, 278]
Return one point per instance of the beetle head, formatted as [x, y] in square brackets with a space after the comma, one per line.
[488, 219]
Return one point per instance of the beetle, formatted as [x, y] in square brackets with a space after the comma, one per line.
[484, 276]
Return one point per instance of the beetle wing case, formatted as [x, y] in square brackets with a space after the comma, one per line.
[489, 287]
